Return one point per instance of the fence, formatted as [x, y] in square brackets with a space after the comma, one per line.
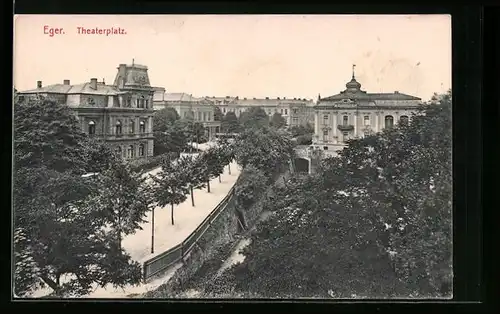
[168, 258]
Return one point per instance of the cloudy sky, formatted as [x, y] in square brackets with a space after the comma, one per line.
[242, 55]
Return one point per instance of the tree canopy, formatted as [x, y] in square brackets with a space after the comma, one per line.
[374, 221]
[277, 121]
[254, 117]
[230, 123]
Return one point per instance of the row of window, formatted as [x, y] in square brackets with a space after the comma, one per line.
[269, 111]
[389, 120]
[130, 152]
[202, 116]
[118, 127]
[139, 102]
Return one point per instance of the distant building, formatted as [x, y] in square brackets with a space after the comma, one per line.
[189, 107]
[295, 111]
[355, 113]
[121, 114]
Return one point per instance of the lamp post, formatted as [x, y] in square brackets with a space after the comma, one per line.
[153, 231]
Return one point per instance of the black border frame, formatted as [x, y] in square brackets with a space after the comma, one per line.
[468, 113]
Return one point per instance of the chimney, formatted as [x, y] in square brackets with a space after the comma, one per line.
[93, 83]
[396, 92]
[103, 81]
[267, 97]
[66, 82]
[38, 84]
[278, 98]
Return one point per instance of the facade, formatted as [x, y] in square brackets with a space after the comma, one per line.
[355, 113]
[189, 107]
[295, 111]
[121, 114]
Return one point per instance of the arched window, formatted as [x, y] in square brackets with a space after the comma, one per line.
[132, 126]
[389, 122]
[130, 151]
[403, 120]
[91, 127]
[118, 150]
[140, 102]
[367, 120]
[142, 127]
[141, 150]
[118, 127]
[345, 120]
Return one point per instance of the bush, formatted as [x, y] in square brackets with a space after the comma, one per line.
[144, 165]
[305, 139]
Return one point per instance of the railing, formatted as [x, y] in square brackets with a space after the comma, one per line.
[168, 258]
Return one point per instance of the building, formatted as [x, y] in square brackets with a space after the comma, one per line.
[188, 107]
[121, 114]
[295, 111]
[355, 113]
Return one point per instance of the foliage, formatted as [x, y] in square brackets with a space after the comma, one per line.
[99, 156]
[254, 117]
[266, 149]
[230, 123]
[147, 164]
[121, 201]
[170, 186]
[194, 171]
[277, 121]
[298, 130]
[173, 139]
[305, 139]
[376, 221]
[218, 115]
[163, 119]
[253, 182]
[47, 134]
[58, 240]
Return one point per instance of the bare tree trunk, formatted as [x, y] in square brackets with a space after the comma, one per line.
[208, 186]
[51, 283]
[229, 168]
[172, 212]
[153, 231]
[192, 196]
[219, 179]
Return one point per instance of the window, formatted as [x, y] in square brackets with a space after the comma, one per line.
[325, 147]
[208, 116]
[286, 111]
[204, 116]
[146, 103]
[129, 102]
[295, 120]
[224, 110]
[118, 150]
[142, 127]
[118, 127]
[403, 120]
[325, 119]
[141, 150]
[185, 114]
[91, 127]
[295, 110]
[199, 116]
[367, 120]
[132, 127]
[281, 110]
[389, 122]
[345, 135]
[325, 135]
[345, 120]
[130, 151]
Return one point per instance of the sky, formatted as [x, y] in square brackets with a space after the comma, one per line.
[242, 55]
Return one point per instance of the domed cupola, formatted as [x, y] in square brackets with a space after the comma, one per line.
[353, 86]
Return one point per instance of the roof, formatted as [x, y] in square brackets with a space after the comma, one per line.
[370, 96]
[178, 97]
[84, 88]
[258, 101]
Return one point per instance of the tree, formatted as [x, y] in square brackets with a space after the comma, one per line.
[47, 133]
[57, 235]
[194, 173]
[277, 121]
[230, 123]
[214, 165]
[173, 139]
[298, 130]
[121, 200]
[305, 139]
[163, 119]
[255, 117]
[218, 115]
[267, 149]
[253, 182]
[170, 187]
[98, 156]
[380, 214]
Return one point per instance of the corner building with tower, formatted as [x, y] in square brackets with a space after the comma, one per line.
[121, 114]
